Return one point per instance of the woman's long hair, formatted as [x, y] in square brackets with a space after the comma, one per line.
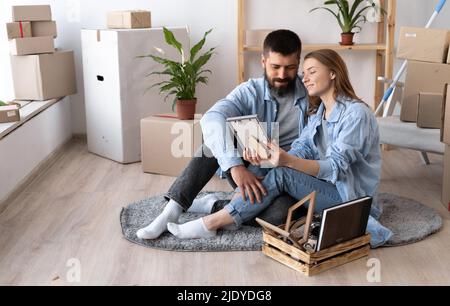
[342, 85]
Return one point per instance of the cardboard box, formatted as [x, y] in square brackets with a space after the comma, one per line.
[168, 144]
[9, 113]
[31, 13]
[115, 94]
[446, 179]
[429, 113]
[421, 76]
[420, 44]
[255, 38]
[43, 76]
[43, 28]
[129, 19]
[32, 45]
[18, 29]
[445, 129]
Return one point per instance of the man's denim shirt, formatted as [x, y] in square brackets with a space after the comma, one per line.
[249, 98]
[353, 157]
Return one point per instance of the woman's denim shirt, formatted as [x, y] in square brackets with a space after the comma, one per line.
[353, 159]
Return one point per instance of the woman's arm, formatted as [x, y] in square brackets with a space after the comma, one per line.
[310, 167]
[281, 158]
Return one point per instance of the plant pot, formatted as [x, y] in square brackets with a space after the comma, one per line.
[347, 39]
[186, 109]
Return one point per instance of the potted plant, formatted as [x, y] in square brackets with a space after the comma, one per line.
[349, 17]
[182, 76]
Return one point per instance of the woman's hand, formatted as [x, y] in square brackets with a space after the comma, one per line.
[277, 155]
[276, 159]
[252, 157]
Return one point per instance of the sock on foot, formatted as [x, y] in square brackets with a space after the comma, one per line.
[192, 229]
[203, 205]
[171, 213]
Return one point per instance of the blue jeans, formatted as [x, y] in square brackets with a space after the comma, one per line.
[298, 185]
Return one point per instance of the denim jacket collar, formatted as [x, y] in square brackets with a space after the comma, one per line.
[300, 91]
[337, 111]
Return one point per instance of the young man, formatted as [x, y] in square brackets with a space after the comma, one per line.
[279, 99]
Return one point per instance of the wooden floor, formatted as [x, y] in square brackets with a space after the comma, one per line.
[71, 210]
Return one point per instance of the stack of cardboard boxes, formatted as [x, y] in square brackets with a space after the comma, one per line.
[39, 71]
[428, 71]
[426, 95]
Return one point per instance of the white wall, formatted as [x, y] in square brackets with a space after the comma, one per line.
[200, 15]
[16, 162]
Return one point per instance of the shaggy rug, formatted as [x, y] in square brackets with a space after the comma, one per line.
[409, 220]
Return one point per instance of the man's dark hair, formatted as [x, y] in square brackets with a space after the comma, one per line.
[285, 42]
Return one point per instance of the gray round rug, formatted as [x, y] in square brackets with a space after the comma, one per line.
[409, 220]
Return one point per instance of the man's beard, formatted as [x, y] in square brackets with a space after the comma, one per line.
[283, 90]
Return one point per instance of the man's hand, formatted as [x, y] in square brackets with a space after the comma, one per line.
[248, 183]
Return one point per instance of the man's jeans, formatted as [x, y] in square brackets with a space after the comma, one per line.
[199, 172]
[298, 185]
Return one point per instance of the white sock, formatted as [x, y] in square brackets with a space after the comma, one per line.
[192, 229]
[158, 226]
[203, 205]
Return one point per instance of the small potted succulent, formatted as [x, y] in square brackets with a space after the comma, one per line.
[182, 76]
[349, 16]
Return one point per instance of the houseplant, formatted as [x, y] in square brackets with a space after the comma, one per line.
[182, 77]
[349, 16]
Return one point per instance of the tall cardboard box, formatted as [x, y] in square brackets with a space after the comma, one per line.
[31, 13]
[420, 44]
[115, 87]
[128, 19]
[43, 76]
[421, 76]
[18, 29]
[429, 113]
[446, 179]
[32, 45]
[168, 144]
[43, 28]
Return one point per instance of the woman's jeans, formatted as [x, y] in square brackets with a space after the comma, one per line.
[298, 185]
[202, 168]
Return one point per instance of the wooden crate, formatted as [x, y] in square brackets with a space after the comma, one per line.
[313, 263]
[285, 244]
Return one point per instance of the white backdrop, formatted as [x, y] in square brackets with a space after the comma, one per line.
[201, 15]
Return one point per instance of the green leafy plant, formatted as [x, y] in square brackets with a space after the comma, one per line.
[184, 75]
[349, 17]
[3, 103]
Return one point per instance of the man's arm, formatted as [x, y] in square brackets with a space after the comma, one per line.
[219, 140]
[216, 134]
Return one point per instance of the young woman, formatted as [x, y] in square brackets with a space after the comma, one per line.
[337, 155]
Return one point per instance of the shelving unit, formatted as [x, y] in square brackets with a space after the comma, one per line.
[384, 45]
